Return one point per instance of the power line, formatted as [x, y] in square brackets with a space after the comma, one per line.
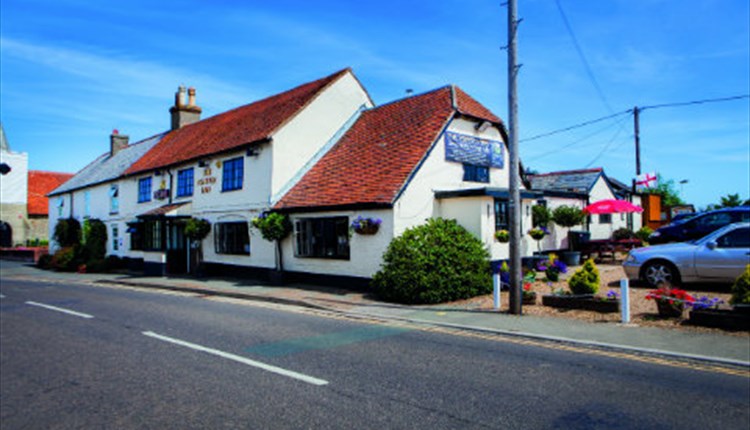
[695, 102]
[606, 147]
[585, 62]
[657, 106]
[573, 127]
[576, 142]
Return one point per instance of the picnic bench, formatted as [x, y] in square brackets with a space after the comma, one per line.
[606, 248]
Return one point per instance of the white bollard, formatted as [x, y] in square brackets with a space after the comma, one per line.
[496, 289]
[625, 300]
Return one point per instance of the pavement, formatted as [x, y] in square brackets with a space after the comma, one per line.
[711, 347]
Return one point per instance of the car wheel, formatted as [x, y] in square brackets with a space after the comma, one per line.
[658, 272]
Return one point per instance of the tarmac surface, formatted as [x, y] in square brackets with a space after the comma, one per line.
[709, 347]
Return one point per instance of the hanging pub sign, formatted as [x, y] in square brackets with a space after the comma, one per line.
[161, 194]
[472, 150]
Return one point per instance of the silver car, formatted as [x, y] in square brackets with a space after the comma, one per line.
[718, 257]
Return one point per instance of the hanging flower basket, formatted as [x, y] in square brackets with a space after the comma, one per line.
[366, 226]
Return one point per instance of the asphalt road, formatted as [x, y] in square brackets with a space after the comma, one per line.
[76, 356]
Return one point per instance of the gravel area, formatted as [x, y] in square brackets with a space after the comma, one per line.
[643, 312]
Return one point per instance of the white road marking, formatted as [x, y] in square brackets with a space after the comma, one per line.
[2, 296]
[65, 311]
[258, 364]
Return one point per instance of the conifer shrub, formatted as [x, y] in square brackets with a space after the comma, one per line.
[585, 280]
[741, 289]
[433, 263]
[95, 239]
[67, 232]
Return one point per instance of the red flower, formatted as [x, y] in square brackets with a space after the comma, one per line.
[527, 287]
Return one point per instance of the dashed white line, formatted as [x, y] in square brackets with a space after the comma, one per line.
[258, 364]
[63, 310]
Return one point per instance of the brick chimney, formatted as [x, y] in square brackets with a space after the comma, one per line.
[184, 114]
[117, 142]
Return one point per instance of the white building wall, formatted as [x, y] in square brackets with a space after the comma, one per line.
[558, 237]
[599, 230]
[305, 134]
[14, 184]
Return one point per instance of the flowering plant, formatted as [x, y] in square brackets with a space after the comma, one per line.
[670, 301]
[612, 295]
[705, 302]
[552, 268]
[365, 225]
[502, 236]
[528, 293]
[670, 295]
[538, 233]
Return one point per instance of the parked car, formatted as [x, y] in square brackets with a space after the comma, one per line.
[680, 218]
[699, 225]
[718, 257]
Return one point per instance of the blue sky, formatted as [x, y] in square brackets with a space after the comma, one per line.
[73, 70]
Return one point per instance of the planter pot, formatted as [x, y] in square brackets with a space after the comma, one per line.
[369, 229]
[742, 309]
[571, 258]
[667, 310]
[529, 299]
[584, 302]
[720, 318]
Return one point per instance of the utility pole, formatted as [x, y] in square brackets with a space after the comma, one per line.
[636, 125]
[513, 171]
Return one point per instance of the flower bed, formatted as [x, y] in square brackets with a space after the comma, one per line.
[583, 302]
[720, 318]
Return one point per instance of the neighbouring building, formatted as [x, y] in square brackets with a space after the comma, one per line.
[23, 201]
[581, 188]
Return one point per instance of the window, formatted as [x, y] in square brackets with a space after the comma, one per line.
[153, 235]
[738, 238]
[232, 238]
[474, 173]
[502, 216]
[87, 204]
[231, 175]
[323, 238]
[605, 218]
[114, 199]
[60, 206]
[144, 190]
[185, 182]
[115, 238]
[136, 235]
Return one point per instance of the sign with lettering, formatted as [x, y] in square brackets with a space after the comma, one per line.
[472, 150]
[161, 194]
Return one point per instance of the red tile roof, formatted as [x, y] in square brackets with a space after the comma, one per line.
[40, 184]
[374, 159]
[233, 129]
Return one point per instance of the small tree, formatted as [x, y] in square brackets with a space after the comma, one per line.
[568, 216]
[274, 227]
[197, 229]
[540, 216]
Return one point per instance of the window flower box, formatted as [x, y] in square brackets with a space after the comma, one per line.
[720, 318]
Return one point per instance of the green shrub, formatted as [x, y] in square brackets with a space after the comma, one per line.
[67, 232]
[741, 289]
[643, 233]
[568, 216]
[540, 216]
[623, 233]
[44, 262]
[95, 239]
[585, 280]
[66, 259]
[433, 263]
[96, 266]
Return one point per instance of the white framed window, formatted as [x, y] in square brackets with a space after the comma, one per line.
[114, 199]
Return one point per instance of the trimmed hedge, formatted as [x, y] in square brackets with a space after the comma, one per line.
[433, 263]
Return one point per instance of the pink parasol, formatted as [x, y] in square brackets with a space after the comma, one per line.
[611, 207]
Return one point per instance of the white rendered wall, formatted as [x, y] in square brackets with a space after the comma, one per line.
[558, 237]
[601, 191]
[14, 184]
[306, 133]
